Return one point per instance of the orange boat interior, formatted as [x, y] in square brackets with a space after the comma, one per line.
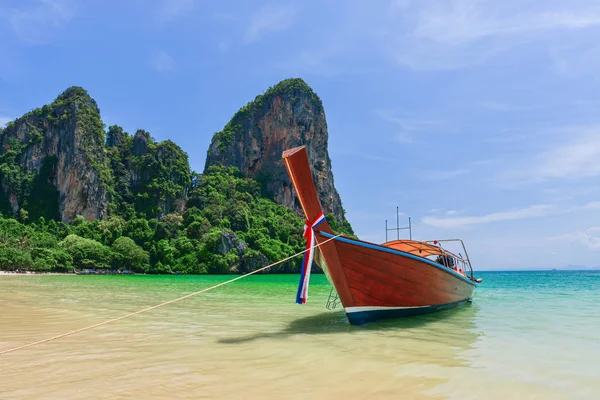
[417, 248]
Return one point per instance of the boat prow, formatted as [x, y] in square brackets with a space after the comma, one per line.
[376, 281]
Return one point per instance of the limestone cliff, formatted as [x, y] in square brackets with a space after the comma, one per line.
[57, 162]
[54, 157]
[153, 177]
[287, 115]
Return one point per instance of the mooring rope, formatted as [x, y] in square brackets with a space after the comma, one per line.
[161, 304]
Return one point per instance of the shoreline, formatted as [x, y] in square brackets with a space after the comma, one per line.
[32, 273]
[28, 273]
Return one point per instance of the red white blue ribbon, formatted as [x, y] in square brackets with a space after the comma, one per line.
[309, 234]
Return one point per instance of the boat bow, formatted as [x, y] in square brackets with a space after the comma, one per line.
[378, 281]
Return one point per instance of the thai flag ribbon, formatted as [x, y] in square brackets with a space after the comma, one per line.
[309, 234]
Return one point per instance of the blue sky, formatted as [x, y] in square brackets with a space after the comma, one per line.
[479, 119]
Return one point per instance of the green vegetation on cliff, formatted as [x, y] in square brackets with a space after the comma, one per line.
[42, 199]
[295, 88]
[72, 121]
[228, 226]
[162, 217]
[150, 179]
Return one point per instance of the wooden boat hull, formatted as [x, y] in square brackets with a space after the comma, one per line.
[362, 315]
[378, 282]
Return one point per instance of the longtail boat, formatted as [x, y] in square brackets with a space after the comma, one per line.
[376, 281]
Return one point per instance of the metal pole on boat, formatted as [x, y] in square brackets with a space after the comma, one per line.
[397, 223]
[386, 229]
[409, 229]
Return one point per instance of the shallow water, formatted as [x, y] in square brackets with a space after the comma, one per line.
[527, 335]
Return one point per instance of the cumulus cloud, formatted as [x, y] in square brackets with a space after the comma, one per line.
[454, 34]
[523, 213]
[171, 9]
[567, 154]
[268, 19]
[163, 62]
[37, 22]
[589, 237]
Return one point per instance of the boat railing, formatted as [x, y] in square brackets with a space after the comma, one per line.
[459, 260]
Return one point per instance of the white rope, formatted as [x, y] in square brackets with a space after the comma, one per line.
[161, 304]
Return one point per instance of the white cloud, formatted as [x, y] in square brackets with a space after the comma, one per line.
[5, 120]
[403, 138]
[407, 125]
[487, 161]
[463, 22]
[492, 105]
[171, 9]
[398, 5]
[360, 154]
[454, 34]
[225, 17]
[574, 159]
[593, 205]
[535, 211]
[568, 154]
[444, 175]
[316, 61]
[589, 237]
[495, 106]
[163, 62]
[270, 18]
[36, 23]
[523, 213]
[341, 44]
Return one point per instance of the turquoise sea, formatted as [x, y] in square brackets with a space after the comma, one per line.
[527, 335]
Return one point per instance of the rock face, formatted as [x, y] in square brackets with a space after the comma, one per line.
[140, 143]
[249, 261]
[115, 136]
[289, 114]
[67, 137]
[154, 177]
[57, 162]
